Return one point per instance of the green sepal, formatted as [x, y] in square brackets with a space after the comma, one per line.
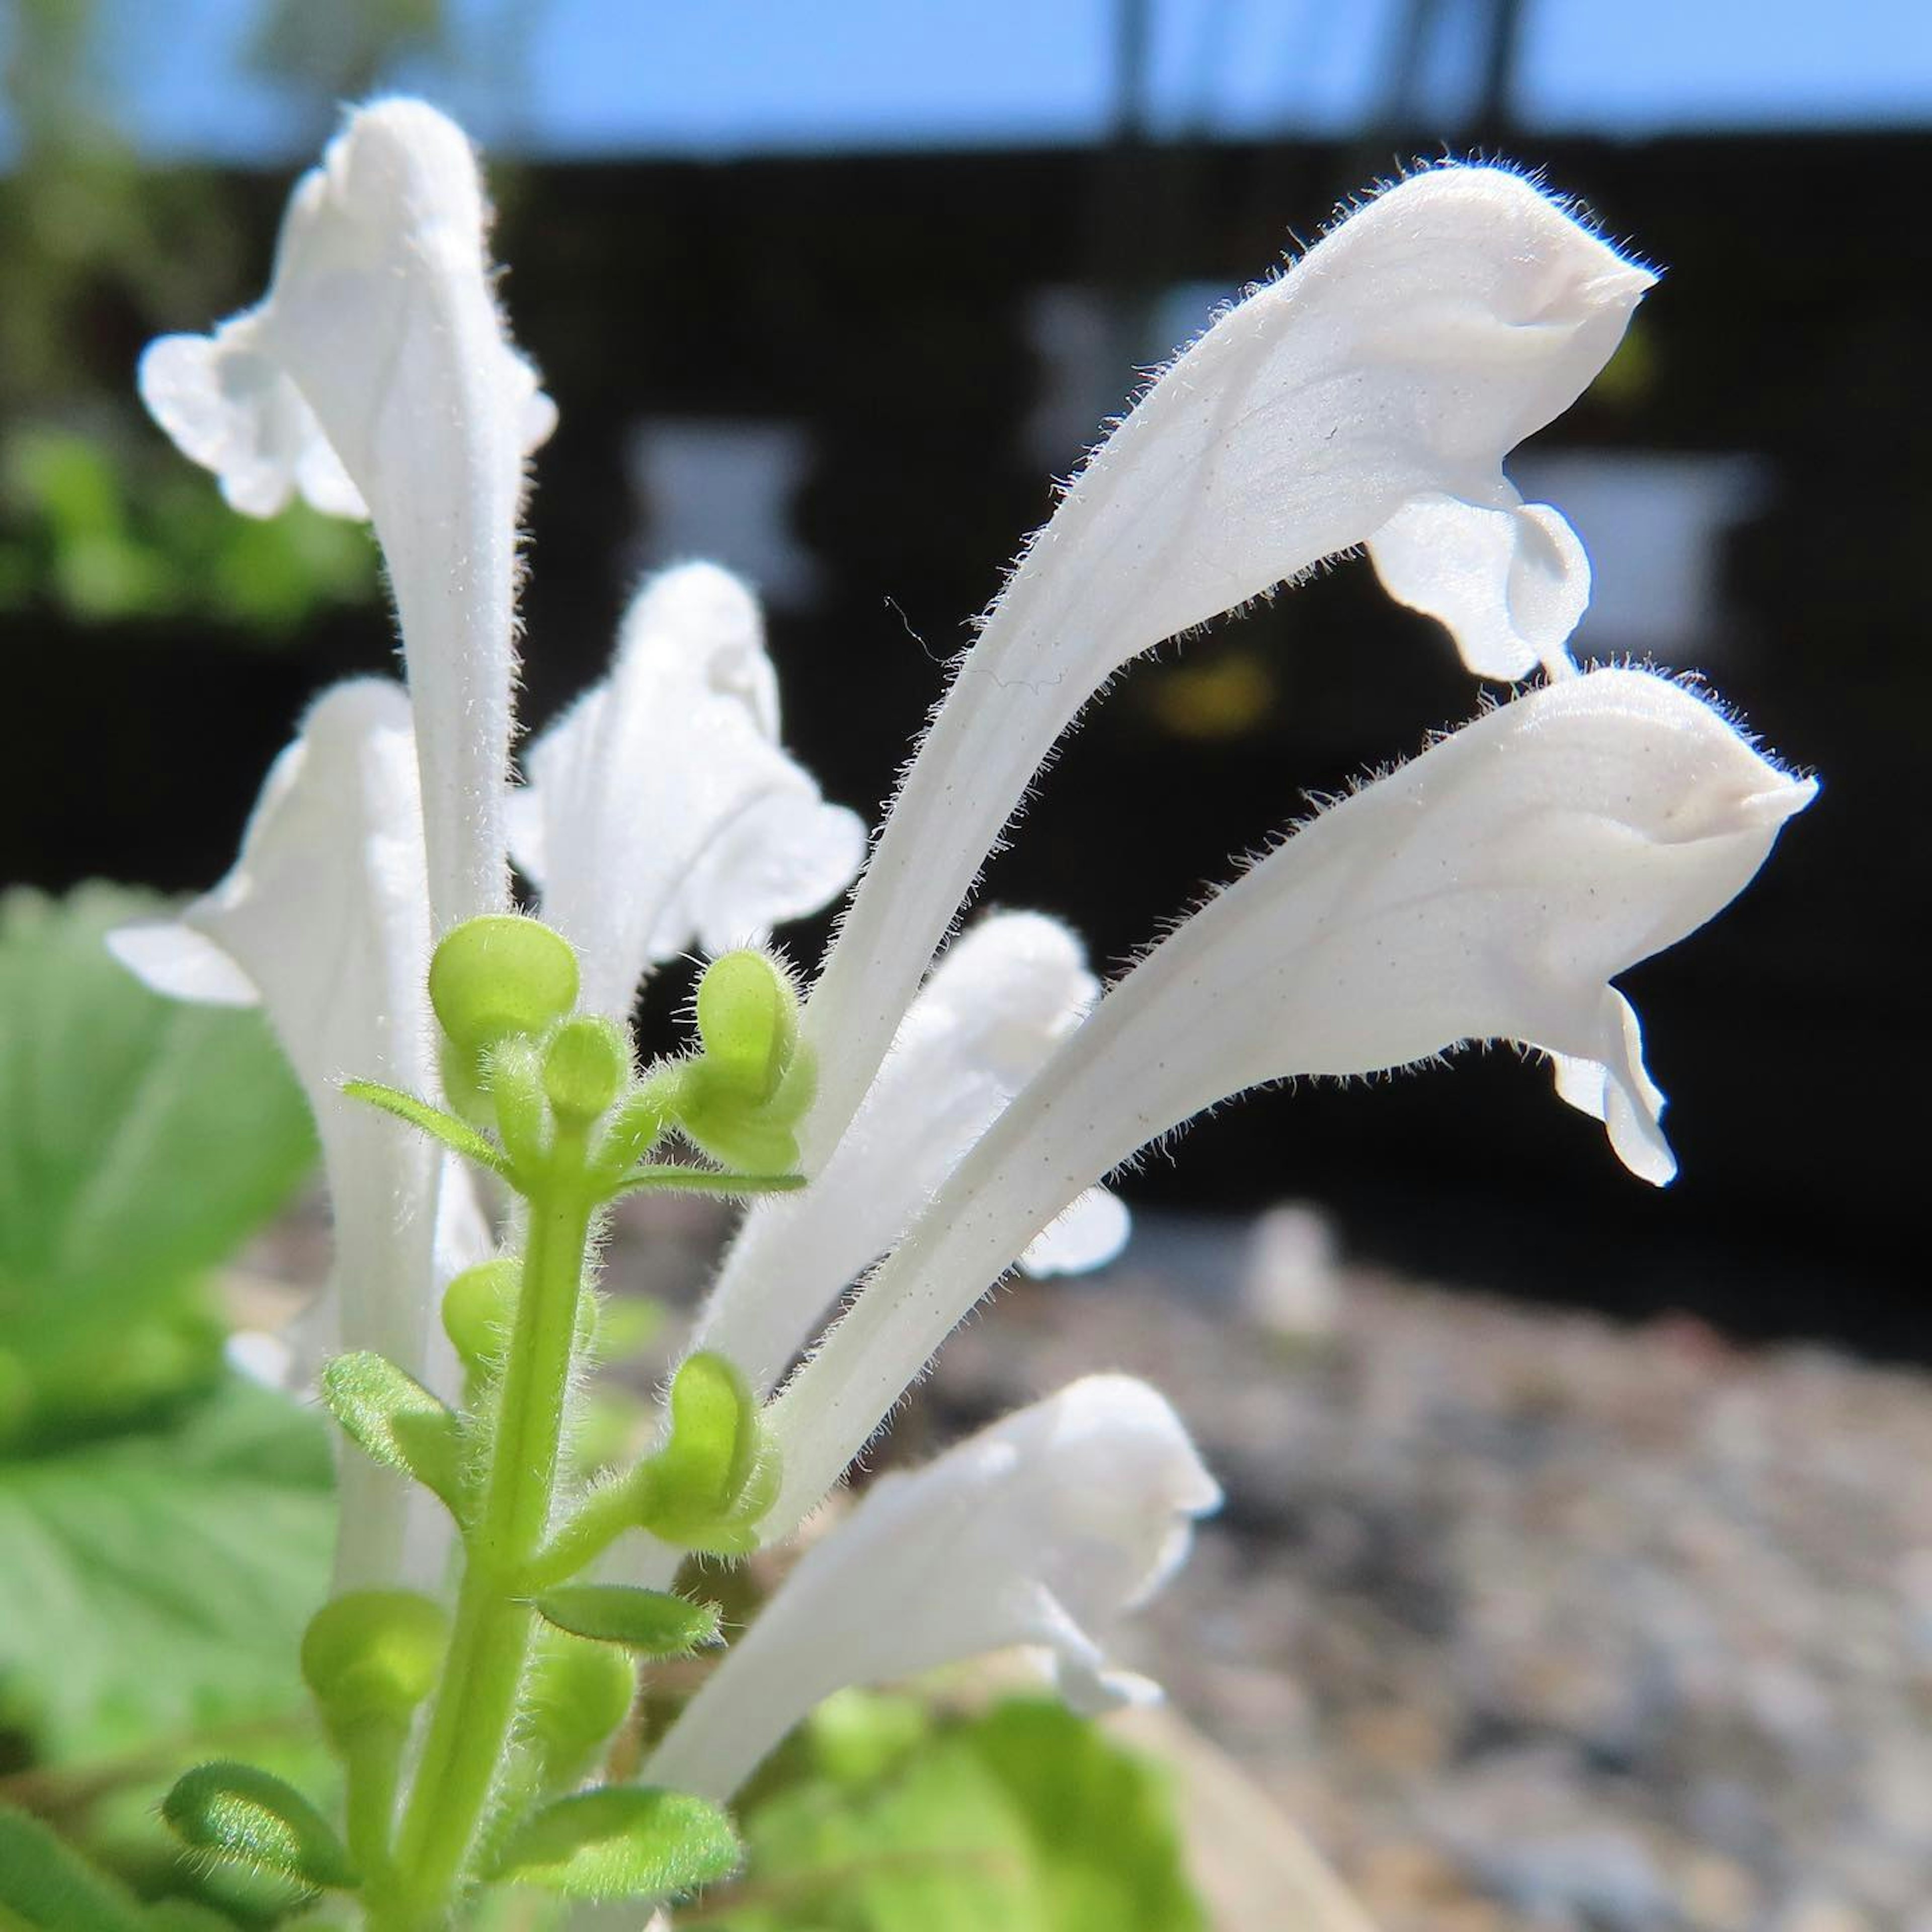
[748, 1020]
[622, 1842]
[479, 1311]
[671, 1179]
[373, 1656]
[500, 975]
[580, 1693]
[716, 1473]
[239, 1812]
[587, 1062]
[454, 1133]
[46, 1885]
[655, 1623]
[397, 1422]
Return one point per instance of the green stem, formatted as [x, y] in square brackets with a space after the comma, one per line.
[591, 1529]
[474, 1718]
[372, 1755]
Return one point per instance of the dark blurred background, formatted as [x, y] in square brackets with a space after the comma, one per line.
[829, 292]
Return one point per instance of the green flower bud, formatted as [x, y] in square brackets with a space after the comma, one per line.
[373, 1655]
[581, 1692]
[585, 1066]
[498, 976]
[748, 1019]
[479, 1308]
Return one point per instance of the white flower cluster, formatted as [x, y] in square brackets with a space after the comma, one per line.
[973, 1095]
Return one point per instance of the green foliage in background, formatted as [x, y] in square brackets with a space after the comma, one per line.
[85, 530]
[141, 1141]
[165, 1528]
[1027, 1818]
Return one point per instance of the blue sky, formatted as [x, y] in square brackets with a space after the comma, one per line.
[734, 76]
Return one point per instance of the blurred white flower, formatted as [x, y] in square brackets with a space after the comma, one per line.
[661, 811]
[324, 922]
[1044, 1530]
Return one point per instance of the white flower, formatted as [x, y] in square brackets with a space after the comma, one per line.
[1368, 396]
[1490, 889]
[1044, 1530]
[324, 922]
[661, 811]
[1000, 999]
[376, 378]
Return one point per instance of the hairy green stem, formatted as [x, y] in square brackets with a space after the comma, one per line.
[472, 1723]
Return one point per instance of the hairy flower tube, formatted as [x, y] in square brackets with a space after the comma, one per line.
[912, 1125]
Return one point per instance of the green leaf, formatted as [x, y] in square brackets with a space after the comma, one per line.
[627, 1842]
[142, 1140]
[238, 1812]
[669, 1178]
[396, 1421]
[159, 1582]
[1027, 1819]
[653, 1621]
[456, 1135]
[47, 1886]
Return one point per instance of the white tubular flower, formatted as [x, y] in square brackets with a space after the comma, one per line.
[1000, 999]
[661, 811]
[324, 922]
[376, 378]
[1368, 396]
[1489, 890]
[1043, 1530]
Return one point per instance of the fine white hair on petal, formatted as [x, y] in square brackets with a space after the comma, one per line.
[1490, 889]
[1396, 364]
[1045, 1530]
[1086, 1234]
[1002, 996]
[325, 918]
[661, 812]
[376, 378]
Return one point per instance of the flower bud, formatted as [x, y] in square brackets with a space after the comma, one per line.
[498, 976]
[585, 1066]
[748, 1019]
[373, 1655]
[479, 1308]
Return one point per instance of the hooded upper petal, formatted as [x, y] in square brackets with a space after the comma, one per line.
[1044, 1530]
[999, 1001]
[1490, 889]
[661, 812]
[324, 920]
[376, 378]
[1394, 365]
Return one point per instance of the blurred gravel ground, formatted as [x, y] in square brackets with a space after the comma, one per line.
[1531, 1621]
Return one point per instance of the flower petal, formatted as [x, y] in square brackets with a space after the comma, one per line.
[376, 379]
[661, 811]
[324, 917]
[1045, 1530]
[1000, 999]
[1401, 358]
[1490, 889]
[1511, 581]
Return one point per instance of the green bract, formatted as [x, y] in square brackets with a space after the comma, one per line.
[236, 1811]
[498, 976]
[632, 1842]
